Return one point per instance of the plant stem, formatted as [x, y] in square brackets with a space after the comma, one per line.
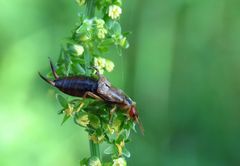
[94, 149]
[90, 10]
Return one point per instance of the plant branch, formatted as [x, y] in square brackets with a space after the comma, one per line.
[94, 149]
[90, 10]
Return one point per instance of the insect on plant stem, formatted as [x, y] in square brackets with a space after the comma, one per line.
[90, 11]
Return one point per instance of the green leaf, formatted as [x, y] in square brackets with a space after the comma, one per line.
[112, 137]
[127, 33]
[126, 153]
[63, 102]
[124, 134]
[114, 27]
[94, 121]
[84, 162]
[65, 118]
[78, 60]
[61, 111]
[78, 69]
[107, 42]
[110, 150]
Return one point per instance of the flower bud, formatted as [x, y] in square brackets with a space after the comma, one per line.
[78, 49]
[94, 161]
[109, 65]
[119, 162]
[81, 2]
[82, 119]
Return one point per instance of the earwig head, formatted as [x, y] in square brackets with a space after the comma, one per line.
[134, 115]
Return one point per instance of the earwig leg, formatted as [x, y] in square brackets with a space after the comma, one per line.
[92, 95]
[80, 107]
[47, 80]
[102, 79]
[112, 111]
[53, 70]
[97, 71]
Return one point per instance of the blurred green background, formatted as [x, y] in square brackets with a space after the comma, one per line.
[182, 69]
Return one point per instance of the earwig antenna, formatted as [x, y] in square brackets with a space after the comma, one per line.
[53, 69]
[140, 125]
[47, 80]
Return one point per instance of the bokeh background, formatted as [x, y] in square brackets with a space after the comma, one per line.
[182, 69]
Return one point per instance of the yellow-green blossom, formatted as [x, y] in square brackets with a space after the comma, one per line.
[120, 147]
[119, 162]
[81, 2]
[97, 139]
[114, 11]
[100, 64]
[109, 65]
[69, 111]
[100, 23]
[101, 33]
[78, 49]
[83, 120]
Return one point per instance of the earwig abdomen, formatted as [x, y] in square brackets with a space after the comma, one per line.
[76, 86]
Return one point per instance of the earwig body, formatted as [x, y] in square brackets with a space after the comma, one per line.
[76, 86]
[101, 89]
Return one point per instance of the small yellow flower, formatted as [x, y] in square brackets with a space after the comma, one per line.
[99, 62]
[120, 147]
[114, 11]
[97, 139]
[101, 138]
[69, 111]
[101, 33]
[119, 162]
[79, 49]
[81, 2]
[83, 120]
[109, 65]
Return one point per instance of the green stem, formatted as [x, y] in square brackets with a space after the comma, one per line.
[94, 149]
[90, 10]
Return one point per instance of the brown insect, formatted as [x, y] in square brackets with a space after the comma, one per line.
[100, 89]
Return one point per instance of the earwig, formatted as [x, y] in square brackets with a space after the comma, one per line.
[100, 89]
